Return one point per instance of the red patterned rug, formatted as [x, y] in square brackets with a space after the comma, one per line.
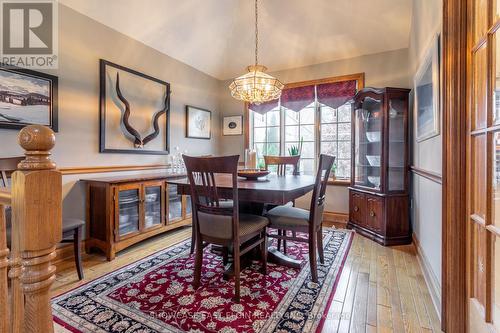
[155, 295]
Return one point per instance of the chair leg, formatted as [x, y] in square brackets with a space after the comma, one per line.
[279, 240]
[198, 262]
[320, 246]
[77, 245]
[312, 256]
[225, 255]
[236, 263]
[285, 233]
[263, 252]
[193, 238]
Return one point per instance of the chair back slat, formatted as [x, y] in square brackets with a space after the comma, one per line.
[202, 173]
[318, 195]
[281, 162]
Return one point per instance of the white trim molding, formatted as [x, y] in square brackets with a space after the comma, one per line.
[430, 278]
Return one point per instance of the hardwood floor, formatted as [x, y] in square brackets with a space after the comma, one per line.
[381, 289]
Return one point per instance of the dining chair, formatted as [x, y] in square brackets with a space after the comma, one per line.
[223, 202]
[221, 224]
[72, 229]
[287, 217]
[282, 162]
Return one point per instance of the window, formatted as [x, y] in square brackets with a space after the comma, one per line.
[266, 133]
[320, 127]
[300, 126]
[335, 129]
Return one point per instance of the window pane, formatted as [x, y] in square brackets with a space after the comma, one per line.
[344, 149]
[307, 132]
[291, 133]
[329, 148]
[343, 169]
[273, 118]
[273, 149]
[291, 117]
[328, 115]
[344, 132]
[344, 113]
[307, 116]
[259, 120]
[259, 135]
[307, 166]
[307, 150]
[329, 132]
[273, 134]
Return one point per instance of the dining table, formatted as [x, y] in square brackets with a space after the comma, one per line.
[253, 195]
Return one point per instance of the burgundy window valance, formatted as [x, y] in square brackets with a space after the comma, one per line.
[262, 108]
[297, 98]
[333, 95]
[336, 94]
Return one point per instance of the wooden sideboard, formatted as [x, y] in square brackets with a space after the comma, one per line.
[124, 210]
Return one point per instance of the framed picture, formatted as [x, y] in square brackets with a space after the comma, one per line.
[27, 98]
[198, 123]
[426, 91]
[134, 111]
[232, 125]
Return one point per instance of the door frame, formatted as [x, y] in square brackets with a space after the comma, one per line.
[454, 213]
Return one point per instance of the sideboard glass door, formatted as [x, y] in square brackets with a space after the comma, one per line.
[174, 204]
[127, 204]
[368, 143]
[396, 174]
[153, 205]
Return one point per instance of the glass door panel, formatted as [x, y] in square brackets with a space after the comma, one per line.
[152, 206]
[128, 211]
[496, 79]
[174, 204]
[368, 143]
[397, 145]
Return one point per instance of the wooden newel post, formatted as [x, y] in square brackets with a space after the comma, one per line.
[36, 207]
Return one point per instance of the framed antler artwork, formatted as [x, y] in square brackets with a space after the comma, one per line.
[134, 111]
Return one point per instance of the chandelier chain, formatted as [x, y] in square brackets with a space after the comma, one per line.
[256, 33]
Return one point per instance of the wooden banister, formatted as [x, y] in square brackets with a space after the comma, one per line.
[4, 265]
[36, 229]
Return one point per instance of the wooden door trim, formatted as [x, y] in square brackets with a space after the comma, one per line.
[455, 67]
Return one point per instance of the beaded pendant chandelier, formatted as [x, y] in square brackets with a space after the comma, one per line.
[256, 86]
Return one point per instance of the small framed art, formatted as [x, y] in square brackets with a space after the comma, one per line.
[198, 123]
[232, 125]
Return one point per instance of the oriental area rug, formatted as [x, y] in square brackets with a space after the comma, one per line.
[155, 294]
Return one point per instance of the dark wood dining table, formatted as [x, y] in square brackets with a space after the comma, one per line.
[254, 194]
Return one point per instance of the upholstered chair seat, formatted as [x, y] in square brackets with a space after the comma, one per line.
[287, 215]
[219, 226]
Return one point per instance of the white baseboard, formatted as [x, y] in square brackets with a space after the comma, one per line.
[430, 278]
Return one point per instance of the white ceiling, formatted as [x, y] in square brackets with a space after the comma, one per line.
[217, 36]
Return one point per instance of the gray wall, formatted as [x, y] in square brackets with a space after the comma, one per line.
[82, 42]
[427, 155]
[387, 69]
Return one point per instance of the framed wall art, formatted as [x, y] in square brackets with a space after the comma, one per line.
[426, 94]
[134, 111]
[26, 98]
[232, 125]
[198, 123]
